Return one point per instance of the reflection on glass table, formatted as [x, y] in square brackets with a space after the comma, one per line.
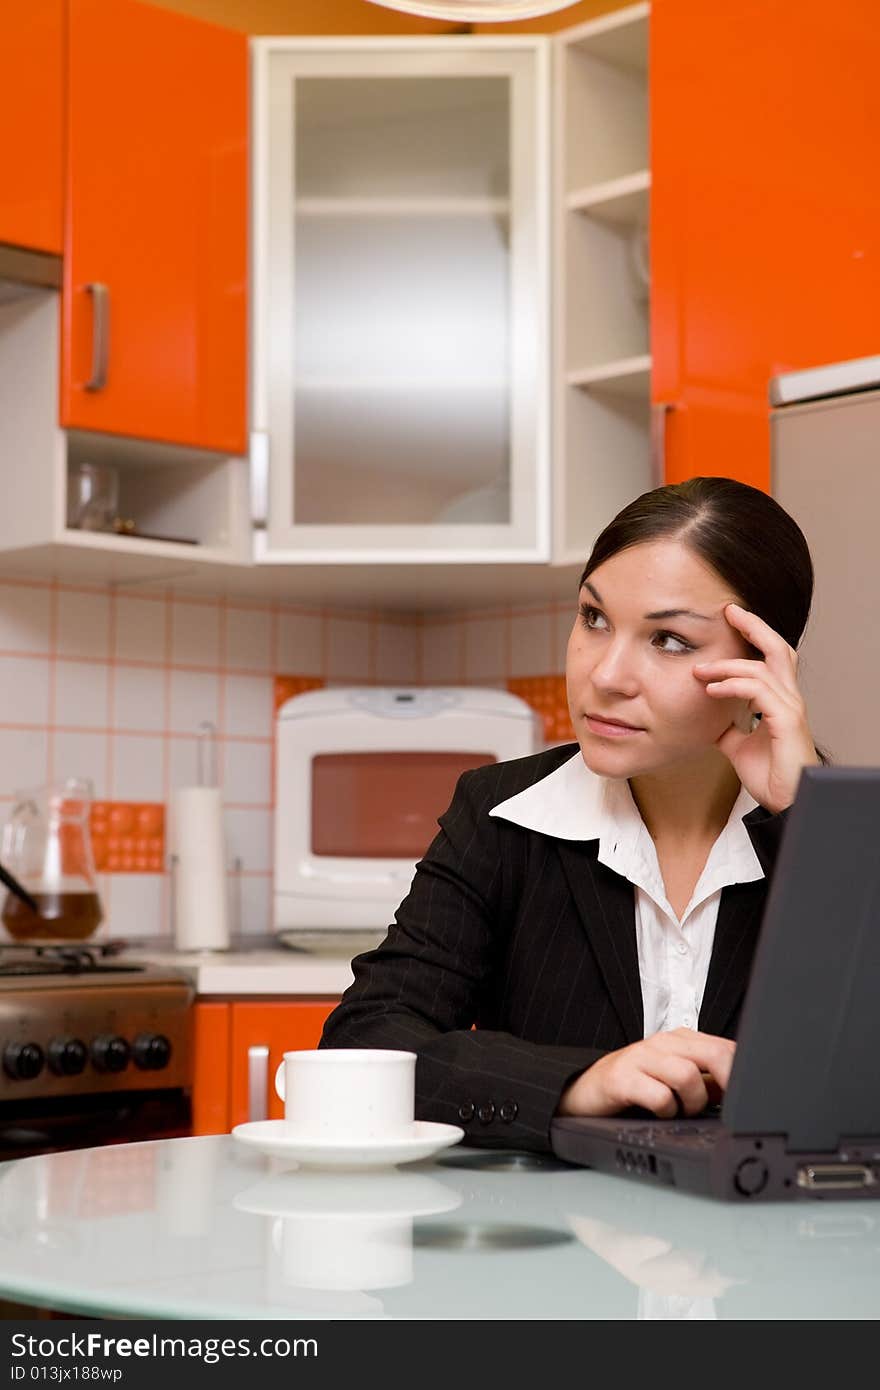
[202, 1227]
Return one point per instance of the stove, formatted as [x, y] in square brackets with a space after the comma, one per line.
[90, 1043]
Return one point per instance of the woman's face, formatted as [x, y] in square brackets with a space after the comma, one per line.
[631, 656]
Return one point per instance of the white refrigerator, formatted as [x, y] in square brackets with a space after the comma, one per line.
[825, 471]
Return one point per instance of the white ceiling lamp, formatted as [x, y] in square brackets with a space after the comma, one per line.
[489, 11]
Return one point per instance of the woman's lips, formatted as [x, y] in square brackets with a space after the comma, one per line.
[609, 730]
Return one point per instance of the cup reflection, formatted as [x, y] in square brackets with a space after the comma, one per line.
[343, 1232]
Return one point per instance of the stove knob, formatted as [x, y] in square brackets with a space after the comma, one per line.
[67, 1056]
[23, 1061]
[110, 1053]
[152, 1051]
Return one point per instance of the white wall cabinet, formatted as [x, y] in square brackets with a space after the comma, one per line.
[400, 344]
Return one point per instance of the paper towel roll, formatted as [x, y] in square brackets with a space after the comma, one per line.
[199, 889]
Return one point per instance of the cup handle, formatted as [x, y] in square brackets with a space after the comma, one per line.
[279, 1080]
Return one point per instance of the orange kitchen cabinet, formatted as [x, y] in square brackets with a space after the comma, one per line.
[765, 219]
[224, 1032]
[31, 102]
[155, 234]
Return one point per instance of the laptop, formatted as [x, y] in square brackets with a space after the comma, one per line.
[801, 1114]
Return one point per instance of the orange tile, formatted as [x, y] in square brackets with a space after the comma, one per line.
[128, 837]
[546, 695]
[286, 686]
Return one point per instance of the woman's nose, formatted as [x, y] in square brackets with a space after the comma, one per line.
[615, 671]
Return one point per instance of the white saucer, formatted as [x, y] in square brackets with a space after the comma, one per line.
[274, 1137]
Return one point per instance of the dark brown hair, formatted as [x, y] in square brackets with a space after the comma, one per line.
[738, 531]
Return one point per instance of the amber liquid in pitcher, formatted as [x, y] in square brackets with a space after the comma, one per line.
[62, 916]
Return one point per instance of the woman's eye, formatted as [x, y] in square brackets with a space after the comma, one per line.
[588, 615]
[681, 644]
[590, 618]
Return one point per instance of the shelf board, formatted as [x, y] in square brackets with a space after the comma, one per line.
[622, 201]
[402, 207]
[620, 38]
[154, 549]
[382, 385]
[630, 376]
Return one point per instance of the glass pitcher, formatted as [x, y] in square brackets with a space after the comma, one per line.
[47, 846]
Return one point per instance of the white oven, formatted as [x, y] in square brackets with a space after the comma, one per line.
[361, 776]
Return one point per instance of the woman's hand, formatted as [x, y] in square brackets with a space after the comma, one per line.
[767, 761]
[656, 1074]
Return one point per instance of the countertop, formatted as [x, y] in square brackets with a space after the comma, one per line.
[208, 1228]
[247, 972]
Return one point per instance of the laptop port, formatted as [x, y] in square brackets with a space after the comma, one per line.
[835, 1177]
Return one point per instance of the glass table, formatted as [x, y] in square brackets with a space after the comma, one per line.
[205, 1228]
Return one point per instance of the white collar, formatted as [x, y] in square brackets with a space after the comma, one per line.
[573, 803]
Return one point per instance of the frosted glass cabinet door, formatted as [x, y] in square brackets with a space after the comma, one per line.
[400, 362]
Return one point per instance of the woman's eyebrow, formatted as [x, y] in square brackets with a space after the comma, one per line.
[663, 613]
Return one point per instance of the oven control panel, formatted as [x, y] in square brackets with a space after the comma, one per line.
[87, 1039]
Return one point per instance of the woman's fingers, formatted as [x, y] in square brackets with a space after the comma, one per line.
[654, 1074]
[780, 657]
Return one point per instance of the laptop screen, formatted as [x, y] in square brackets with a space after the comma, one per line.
[806, 1063]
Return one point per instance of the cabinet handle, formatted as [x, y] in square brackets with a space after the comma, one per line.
[100, 335]
[659, 412]
[258, 1082]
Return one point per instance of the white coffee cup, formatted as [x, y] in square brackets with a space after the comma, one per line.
[352, 1095]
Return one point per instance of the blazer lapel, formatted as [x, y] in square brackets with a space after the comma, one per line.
[740, 913]
[606, 905]
[736, 934]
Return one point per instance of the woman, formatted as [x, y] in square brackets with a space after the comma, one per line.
[577, 939]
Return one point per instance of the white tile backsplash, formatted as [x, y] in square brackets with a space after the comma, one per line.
[248, 640]
[484, 648]
[23, 759]
[183, 762]
[81, 694]
[532, 643]
[248, 706]
[83, 624]
[138, 768]
[442, 654]
[195, 635]
[247, 772]
[249, 838]
[81, 755]
[138, 698]
[135, 906]
[396, 657]
[300, 644]
[139, 629]
[195, 699]
[24, 690]
[348, 649]
[251, 904]
[24, 618]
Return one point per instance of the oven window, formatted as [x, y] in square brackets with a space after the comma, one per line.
[383, 805]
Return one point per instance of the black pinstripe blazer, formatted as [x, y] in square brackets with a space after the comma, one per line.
[532, 940]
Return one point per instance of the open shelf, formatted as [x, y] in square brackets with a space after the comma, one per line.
[605, 85]
[403, 207]
[623, 201]
[629, 377]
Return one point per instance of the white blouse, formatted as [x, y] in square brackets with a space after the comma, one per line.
[574, 803]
